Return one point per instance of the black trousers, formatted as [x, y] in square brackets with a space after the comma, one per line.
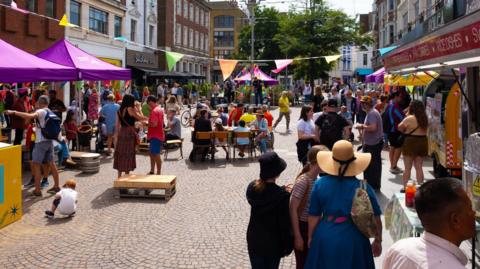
[373, 174]
[18, 136]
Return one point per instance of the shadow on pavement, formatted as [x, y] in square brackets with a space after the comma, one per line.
[58, 220]
[107, 198]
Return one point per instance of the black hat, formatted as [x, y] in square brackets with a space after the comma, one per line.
[332, 102]
[271, 165]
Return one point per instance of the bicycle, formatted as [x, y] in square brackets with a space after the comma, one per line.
[187, 116]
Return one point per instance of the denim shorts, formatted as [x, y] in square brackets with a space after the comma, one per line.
[43, 152]
[155, 146]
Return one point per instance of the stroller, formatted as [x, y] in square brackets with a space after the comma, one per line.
[101, 135]
[85, 133]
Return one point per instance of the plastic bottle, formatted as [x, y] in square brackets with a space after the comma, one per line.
[410, 194]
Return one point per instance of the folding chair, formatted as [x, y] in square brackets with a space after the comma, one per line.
[203, 136]
[250, 145]
[223, 137]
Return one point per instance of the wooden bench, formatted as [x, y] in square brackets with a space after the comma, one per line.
[146, 186]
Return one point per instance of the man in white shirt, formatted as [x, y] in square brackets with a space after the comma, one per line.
[43, 149]
[446, 214]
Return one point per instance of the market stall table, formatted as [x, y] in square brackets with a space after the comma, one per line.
[403, 222]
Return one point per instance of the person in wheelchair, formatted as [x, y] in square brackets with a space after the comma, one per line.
[260, 124]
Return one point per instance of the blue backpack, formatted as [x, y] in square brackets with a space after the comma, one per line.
[52, 127]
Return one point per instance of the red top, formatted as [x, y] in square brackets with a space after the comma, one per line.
[156, 116]
[238, 114]
[269, 118]
[71, 130]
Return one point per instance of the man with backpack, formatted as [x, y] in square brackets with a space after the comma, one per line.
[393, 115]
[331, 127]
[48, 128]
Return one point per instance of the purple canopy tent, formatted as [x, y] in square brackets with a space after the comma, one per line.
[376, 77]
[88, 67]
[17, 65]
[260, 75]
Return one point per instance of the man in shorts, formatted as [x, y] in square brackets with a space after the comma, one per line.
[43, 150]
[156, 136]
[109, 112]
[395, 116]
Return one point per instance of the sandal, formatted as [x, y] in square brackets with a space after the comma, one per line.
[35, 193]
[54, 190]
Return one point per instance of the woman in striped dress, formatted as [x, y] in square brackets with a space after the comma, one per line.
[126, 136]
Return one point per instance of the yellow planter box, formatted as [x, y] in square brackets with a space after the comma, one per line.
[10, 184]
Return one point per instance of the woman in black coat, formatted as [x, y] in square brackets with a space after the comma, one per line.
[269, 233]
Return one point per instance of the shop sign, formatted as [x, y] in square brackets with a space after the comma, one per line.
[472, 5]
[141, 59]
[461, 40]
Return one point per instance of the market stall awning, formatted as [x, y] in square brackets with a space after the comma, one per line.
[453, 45]
[413, 79]
[376, 77]
[364, 71]
[88, 67]
[17, 65]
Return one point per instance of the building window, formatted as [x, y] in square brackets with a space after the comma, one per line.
[365, 59]
[222, 54]
[185, 67]
[118, 26]
[405, 22]
[196, 68]
[185, 8]
[190, 38]
[31, 5]
[202, 45]
[191, 10]
[133, 30]
[207, 44]
[223, 39]
[50, 9]
[223, 22]
[179, 7]
[75, 12]
[98, 20]
[185, 36]
[391, 34]
[178, 34]
[417, 9]
[429, 8]
[177, 67]
[190, 67]
[201, 69]
[197, 15]
[197, 40]
[201, 17]
[391, 5]
[151, 29]
[207, 20]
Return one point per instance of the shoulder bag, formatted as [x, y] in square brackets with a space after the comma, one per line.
[362, 212]
[402, 136]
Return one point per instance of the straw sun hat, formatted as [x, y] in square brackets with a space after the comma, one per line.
[342, 158]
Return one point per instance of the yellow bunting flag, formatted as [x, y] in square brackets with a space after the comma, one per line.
[64, 22]
[332, 58]
[227, 67]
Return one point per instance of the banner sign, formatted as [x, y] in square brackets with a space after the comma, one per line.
[460, 40]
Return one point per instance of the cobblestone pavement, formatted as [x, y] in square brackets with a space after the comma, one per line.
[202, 226]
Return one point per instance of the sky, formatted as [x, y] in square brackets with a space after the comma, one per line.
[351, 7]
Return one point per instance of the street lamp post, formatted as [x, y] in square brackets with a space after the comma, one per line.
[251, 7]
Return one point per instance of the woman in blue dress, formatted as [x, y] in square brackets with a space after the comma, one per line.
[335, 242]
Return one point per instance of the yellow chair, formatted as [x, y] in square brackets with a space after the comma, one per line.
[250, 146]
[169, 143]
[222, 136]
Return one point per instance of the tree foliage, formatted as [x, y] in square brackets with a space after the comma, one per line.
[318, 31]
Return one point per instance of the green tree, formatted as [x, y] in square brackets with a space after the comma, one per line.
[267, 25]
[318, 31]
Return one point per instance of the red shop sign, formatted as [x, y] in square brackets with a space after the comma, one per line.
[461, 40]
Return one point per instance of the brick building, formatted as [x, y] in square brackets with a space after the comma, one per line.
[183, 27]
[226, 21]
[31, 32]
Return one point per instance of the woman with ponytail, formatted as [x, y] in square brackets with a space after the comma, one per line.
[299, 202]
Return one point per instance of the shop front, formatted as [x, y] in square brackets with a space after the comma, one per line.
[452, 50]
[143, 65]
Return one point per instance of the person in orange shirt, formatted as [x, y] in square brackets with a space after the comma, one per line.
[268, 116]
[235, 115]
